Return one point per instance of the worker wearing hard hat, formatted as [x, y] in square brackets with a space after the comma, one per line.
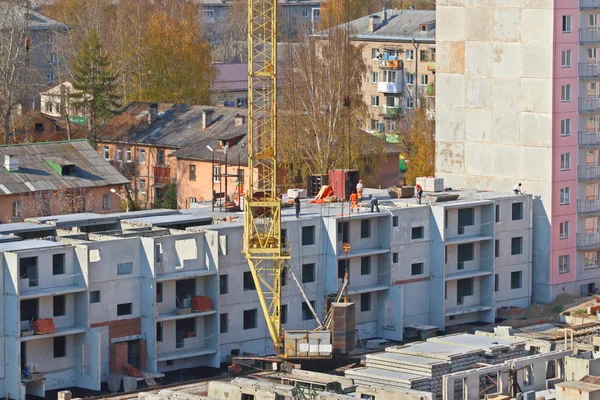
[359, 189]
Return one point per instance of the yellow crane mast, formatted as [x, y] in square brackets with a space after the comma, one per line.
[263, 245]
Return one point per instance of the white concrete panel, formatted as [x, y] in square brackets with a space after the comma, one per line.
[507, 94]
[507, 25]
[450, 91]
[450, 124]
[531, 67]
[454, 181]
[478, 59]
[505, 127]
[480, 3]
[451, 3]
[507, 59]
[529, 156]
[478, 182]
[536, 25]
[479, 24]
[450, 23]
[536, 129]
[508, 3]
[489, 159]
[536, 95]
[478, 125]
[450, 157]
[480, 91]
[537, 4]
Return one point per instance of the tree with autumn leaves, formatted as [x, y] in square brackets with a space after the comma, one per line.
[421, 150]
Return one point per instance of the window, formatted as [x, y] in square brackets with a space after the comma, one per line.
[123, 309]
[410, 55]
[29, 309]
[423, 54]
[365, 302]
[342, 269]
[395, 258]
[283, 313]
[565, 161]
[224, 284]
[307, 315]
[464, 288]
[249, 281]
[106, 201]
[410, 79]
[593, 20]
[466, 217]
[119, 155]
[365, 265]
[95, 296]
[566, 59]
[223, 323]
[308, 273]
[28, 270]
[565, 196]
[497, 214]
[416, 269]
[592, 53]
[128, 154]
[58, 264]
[566, 23]
[161, 157]
[374, 125]
[424, 80]
[496, 283]
[374, 101]
[17, 208]
[465, 253]
[497, 248]
[517, 211]
[590, 259]
[51, 77]
[395, 220]
[106, 152]
[142, 156]
[308, 235]
[375, 77]
[305, 13]
[159, 332]
[565, 127]
[142, 186]
[216, 174]
[159, 292]
[410, 102]
[125, 268]
[250, 319]
[59, 306]
[565, 93]
[60, 346]
[516, 280]
[417, 233]
[563, 264]
[516, 246]
[389, 76]
[365, 229]
[564, 228]
[284, 276]
[48, 108]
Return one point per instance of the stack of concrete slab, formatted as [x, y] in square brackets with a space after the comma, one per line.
[422, 365]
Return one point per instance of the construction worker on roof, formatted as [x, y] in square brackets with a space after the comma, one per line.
[419, 193]
[359, 189]
[354, 201]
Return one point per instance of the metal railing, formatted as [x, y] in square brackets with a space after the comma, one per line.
[588, 206]
[588, 172]
[589, 70]
[587, 36]
[589, 4]
[589, 105]
[389, 111]
[588, 240]
[585, 138]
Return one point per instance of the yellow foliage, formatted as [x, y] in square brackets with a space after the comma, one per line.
[421, 159]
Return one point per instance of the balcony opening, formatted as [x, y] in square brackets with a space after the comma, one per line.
[28, 270]
[466, 217]
[29, 310]
[466, 252]
[184, 291]
[184, 329]
[342, 269]
[343, 232]
[60, 346]
[464, 288]
[58, 264]
[133, 353]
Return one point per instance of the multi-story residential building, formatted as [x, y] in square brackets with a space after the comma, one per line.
[519, 82]
[398, 47]
[45, 178]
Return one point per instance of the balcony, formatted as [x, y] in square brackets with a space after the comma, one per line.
[431, 89]
[588, 139]
[588, 206]
[431, 65]
[588, 172]
[589, 105]
[389, 111]
[589, 70]
[587, 36]
[390, 64]
[162, 173]
[588, 240]
[589, 4]
[390, 87]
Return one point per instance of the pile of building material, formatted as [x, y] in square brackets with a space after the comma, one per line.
[422, 365]
[431, 184]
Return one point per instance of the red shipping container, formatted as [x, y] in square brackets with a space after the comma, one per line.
[43, 326]
[343, 182]
[201, 303]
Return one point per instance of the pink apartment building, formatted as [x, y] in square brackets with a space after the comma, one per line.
[518, 101]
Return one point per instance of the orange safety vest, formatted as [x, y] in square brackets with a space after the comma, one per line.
[354, 197]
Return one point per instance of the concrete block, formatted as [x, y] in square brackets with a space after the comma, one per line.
[530, 65]
[450, 23]
[129, 383]
[454, 60]
[505, 127]
[114, 382]
[64, 395]
[507, 59]
[450, 158]
[479, 92]
[478, 58]
[536, 25]
[536, 129]
[450, 91]
[507, 94]
[536, 95]
[507, 25]
[450, 124]
[478, 125]
[479, 23]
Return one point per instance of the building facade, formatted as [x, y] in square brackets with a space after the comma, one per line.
[518, 82]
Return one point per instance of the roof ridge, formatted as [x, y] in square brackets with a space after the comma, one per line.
[38, 143]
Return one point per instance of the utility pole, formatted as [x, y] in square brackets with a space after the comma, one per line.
[416, 57]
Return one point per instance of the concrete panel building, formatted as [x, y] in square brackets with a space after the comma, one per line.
[517, 102]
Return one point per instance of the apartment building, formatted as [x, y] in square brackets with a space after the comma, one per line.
[398, 47]
[519, 82]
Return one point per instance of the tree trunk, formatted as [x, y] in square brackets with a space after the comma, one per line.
[6, 127]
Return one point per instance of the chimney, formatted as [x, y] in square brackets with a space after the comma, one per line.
[153, 113]
[374, 23]
[11, 163]
[207, 117]
[385, 15]
[239, 120]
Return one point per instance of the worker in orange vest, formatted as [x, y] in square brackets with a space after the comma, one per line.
[354, 201]
[419, 193]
